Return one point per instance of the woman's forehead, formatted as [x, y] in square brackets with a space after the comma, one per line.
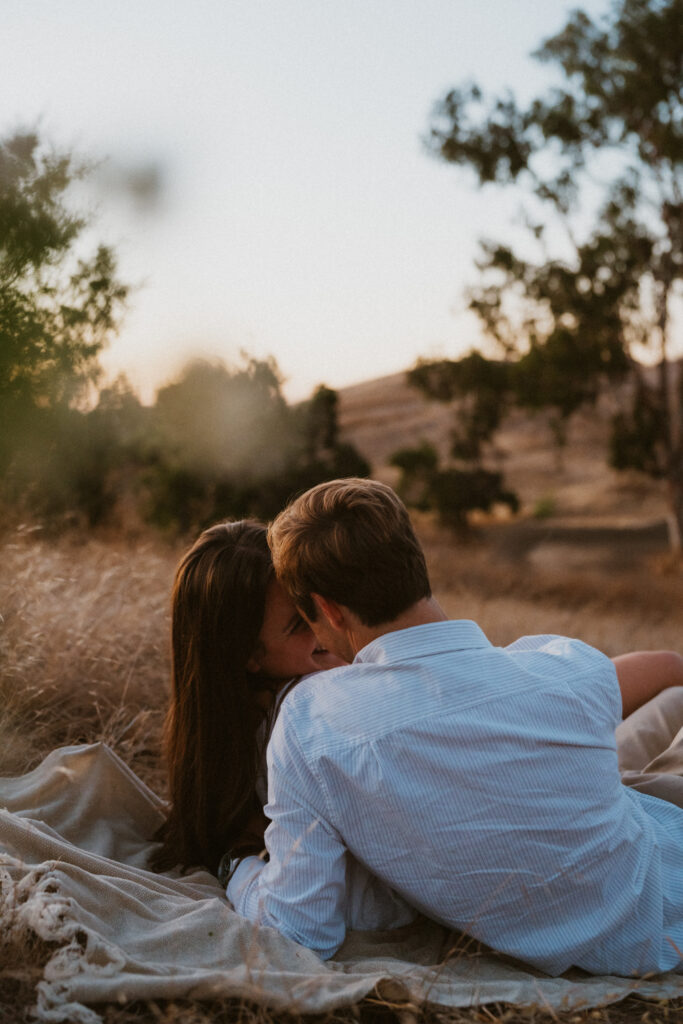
[280, 614]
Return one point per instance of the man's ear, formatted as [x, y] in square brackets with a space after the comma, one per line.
[330, 610]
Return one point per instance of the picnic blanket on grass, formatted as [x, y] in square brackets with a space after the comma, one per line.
[74, 843]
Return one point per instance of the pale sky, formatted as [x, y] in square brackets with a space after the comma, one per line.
[299, 214]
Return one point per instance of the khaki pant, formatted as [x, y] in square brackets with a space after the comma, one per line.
[650, 747]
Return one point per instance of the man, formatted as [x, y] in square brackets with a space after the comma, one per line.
[480, 783]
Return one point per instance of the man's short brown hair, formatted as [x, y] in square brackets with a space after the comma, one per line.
[350, 541]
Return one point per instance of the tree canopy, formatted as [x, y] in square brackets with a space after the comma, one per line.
[57, 310]
[58, 305]
[590, 291]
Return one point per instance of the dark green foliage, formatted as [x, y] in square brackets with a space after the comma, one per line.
[451, 492]
[420, 461]
[180, 498]
[56, 311]
[226, 444]
[71, 465]
[217, 444]
[346, 460]
[320, 415]
[481, 391]
[418, 467]
[497, 148]
[326, 457]
[213, 420]
[567, 326]
[636, 435]
[446, 380]
[455, 492]
[480, 388]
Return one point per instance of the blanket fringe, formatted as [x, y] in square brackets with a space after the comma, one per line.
[30, 904]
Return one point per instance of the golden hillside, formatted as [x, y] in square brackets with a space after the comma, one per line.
[379, 416]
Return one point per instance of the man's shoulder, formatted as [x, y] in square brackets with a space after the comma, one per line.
[561, 656]
[318, 713]
[323, 688]
[437, 673]
[344, 705]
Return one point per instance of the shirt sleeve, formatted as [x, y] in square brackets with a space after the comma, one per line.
[301, 889]
[242, 890]
[588, 672]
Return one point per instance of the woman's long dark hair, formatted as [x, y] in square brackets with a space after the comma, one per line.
[212, 727]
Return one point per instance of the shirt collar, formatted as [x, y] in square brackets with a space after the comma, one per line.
[431, 638]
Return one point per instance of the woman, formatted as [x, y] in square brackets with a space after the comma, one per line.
[221, 697]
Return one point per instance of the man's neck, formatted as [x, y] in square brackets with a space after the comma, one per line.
[420, 614]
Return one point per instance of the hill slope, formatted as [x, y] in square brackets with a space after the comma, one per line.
[379, 416]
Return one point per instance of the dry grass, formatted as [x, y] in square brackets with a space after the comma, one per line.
[84, 647]
[84, 656]
[615, 600]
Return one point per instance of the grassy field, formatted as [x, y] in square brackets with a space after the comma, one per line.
[84, 656]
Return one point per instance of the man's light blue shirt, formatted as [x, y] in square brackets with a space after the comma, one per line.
[482, 785]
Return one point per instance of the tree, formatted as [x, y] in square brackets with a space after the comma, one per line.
[452, 491]
[223, 441]
[321, 426]
[57, 309]
[596, 279]
[326, 456]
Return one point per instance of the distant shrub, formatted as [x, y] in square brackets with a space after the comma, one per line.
[451, 492]
[218, 443]
[227, 444]
[545, 507]
[418, 467]
[455, 492]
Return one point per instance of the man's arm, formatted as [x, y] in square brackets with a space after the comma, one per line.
[644, 674]
[301, 889]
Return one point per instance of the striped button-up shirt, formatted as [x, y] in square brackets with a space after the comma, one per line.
[480, 783]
